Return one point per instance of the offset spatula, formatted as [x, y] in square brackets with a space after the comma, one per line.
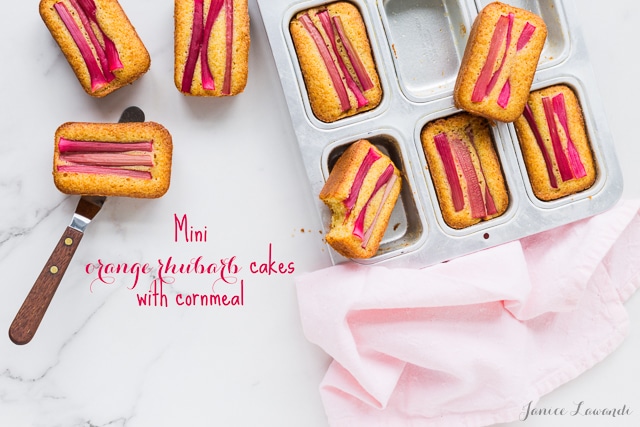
[28, 318]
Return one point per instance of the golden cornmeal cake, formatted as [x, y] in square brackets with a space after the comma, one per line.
[99, 42]
[213, 33]
[494, 82]
[465, 169]
[554, 144]
[332, 47]
[361, 191]
[113, 159]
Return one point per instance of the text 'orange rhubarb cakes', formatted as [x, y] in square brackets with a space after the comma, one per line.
[499, 62]
[465, 169]
[113, 159]
[555, 145]
[211, 47]
[99, 42]
[361, 191]
[333, 49]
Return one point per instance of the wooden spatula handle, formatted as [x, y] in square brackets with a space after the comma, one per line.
[28, 318]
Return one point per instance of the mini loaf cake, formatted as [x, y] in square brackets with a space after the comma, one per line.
[554, 144]
[499, 62]
[465, 169]
[361, 191]
[211, 47]
[113, 159]
[335, 58]
[99, 42]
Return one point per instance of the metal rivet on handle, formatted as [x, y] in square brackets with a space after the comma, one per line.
[68, 241]
[53, 269]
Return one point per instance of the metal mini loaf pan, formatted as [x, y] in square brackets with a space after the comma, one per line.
[418, 46]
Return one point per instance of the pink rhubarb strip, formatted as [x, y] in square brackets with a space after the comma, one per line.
[385, 197]
[480, 90]
[505, 95]
[528, 115]
[194, 46]
[444, 151]
[325, 20]
[67, 145]
[561, 159]
[496, 75]
[474, 192]
[102, 57]
[354, 58]
[488, 199]
[371, 157]
[336, 80]
[358, 228]
[113, 58]
[226, 85]
[101, 170]
[574, 157]
[525, 35]
[199, 45]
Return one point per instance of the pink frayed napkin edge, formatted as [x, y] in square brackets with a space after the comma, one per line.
[628, 210]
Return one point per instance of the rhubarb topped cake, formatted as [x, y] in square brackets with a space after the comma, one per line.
[465, 169]
[113, 159]
[361, 191]
[499, 62]
[336, 61]
[211, 47]
[554, 144]
[98, 41]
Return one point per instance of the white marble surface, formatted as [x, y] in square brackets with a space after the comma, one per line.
[98, 358]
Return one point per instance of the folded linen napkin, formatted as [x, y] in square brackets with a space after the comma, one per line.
[470, 342]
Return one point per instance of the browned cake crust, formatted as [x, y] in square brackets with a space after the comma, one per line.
[115, 23]
[486, 165]
[325, 103]
[518, 69]
[217, 51]
[88, 182]
[338, 188]
[541, 181]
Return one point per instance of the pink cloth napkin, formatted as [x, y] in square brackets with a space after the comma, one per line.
[472, 341]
